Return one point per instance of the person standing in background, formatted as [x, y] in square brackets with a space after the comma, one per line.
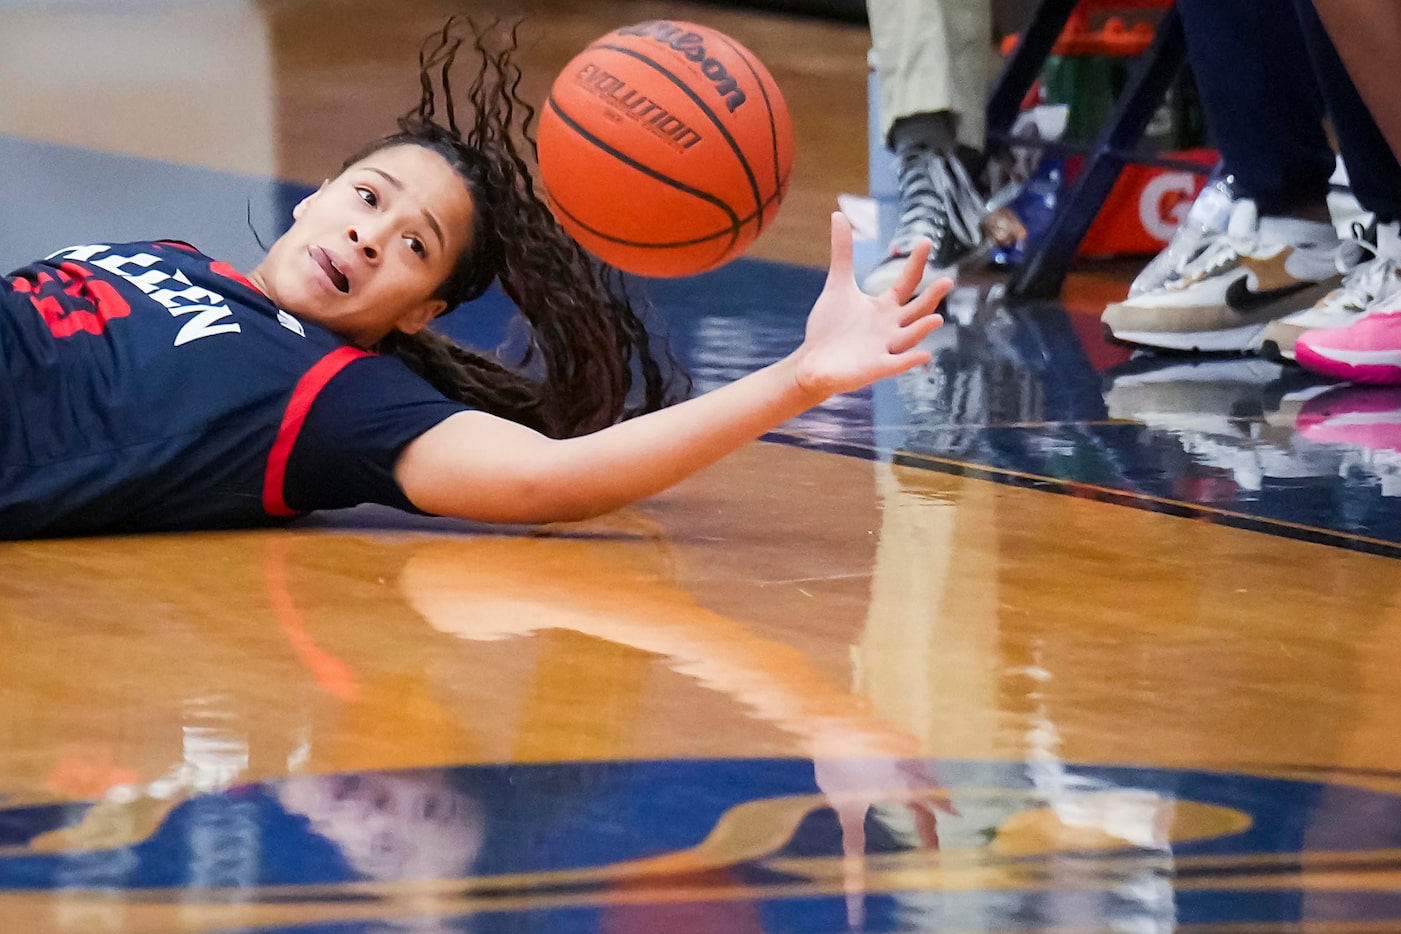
[933, 59]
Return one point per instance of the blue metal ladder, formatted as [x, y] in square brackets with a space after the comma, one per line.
[1043, 271]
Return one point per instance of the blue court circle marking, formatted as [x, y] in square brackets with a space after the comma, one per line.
[585, 847]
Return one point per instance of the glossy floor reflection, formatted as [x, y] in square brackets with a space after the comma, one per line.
[1047, 636]
[742, 845]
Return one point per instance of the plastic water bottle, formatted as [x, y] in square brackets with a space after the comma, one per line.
[1207, 220]
[1019, 216]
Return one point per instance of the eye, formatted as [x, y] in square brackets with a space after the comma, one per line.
[367, 196]
[417, 246]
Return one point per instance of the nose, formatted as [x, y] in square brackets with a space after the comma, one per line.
[363, 242]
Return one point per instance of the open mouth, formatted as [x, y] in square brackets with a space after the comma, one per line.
[332, 271]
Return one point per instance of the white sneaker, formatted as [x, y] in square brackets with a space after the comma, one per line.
[938, 202]
[1260, 270]
[1371, 263]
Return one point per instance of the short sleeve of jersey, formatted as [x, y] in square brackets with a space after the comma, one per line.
[354, 432]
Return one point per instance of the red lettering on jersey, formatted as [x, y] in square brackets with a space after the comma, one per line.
[70, 301]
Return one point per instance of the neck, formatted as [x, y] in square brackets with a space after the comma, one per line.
[256, 277]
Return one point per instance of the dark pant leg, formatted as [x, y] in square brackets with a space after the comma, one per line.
[1261, 98]
[1371, 167]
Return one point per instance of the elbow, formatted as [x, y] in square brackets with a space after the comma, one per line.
[543, 494]
[542, 502]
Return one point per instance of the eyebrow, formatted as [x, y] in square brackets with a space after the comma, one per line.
[432, 221]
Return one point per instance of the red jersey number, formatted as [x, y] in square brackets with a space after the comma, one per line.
[70, 301]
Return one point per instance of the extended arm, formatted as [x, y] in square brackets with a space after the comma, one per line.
[476, 466]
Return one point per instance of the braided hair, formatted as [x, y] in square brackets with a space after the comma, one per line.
[587, 344]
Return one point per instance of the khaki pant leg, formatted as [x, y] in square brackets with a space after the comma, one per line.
[933, 55]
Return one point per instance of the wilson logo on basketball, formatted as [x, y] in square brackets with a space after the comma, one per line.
[692, 45]
[638, 106]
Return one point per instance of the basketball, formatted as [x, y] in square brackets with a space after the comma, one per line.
[665, 148]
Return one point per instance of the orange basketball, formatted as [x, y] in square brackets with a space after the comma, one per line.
[665, 148]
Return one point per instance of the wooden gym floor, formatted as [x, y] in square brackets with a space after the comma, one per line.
[1038, 638]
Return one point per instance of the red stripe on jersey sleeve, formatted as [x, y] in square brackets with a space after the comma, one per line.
[220, 268]
[308, 388]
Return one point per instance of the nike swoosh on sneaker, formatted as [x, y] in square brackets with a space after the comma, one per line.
[1240, 297]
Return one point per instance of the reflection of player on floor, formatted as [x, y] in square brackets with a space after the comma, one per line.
[614, 591]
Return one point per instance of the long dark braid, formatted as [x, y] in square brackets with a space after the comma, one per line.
[586, 338]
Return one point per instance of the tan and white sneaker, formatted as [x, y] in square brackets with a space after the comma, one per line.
[1261, 269]
[1371, 267]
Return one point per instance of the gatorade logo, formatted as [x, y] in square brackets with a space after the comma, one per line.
[1164, 202]
[692, 45]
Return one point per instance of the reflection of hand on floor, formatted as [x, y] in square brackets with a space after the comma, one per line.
[853, 787]
[625, 592]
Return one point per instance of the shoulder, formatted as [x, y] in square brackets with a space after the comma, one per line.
[378, 395]
[383, 371]
[355, 430]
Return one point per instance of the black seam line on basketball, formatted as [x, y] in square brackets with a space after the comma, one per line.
[641, 244]
[660, 246]
[768, 106]
[705, 109]
[628, 160]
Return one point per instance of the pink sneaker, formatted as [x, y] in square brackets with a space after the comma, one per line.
[1366, 351]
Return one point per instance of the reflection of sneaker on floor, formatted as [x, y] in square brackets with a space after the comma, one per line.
[1371, 263]
[1221, 411]
[1366, 419]
[1366, 351]
[938, 202]
[1182, 392]
[1382, 464]
[978, 375]
[1261, 269]
[1286, 397]
[1367, 416]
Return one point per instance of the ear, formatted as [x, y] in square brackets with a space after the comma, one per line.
[301, 205]
[417, 318]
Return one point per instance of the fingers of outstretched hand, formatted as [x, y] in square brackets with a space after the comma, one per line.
[925, 303]
[900, 362]
[911, 334]
[840, 267]
[910, 274]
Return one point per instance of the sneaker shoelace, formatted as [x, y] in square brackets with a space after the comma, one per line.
[1223, 251]
[966, 206]
[1219, 254]
[940, 205]
[1371, 276]
[1171, 265]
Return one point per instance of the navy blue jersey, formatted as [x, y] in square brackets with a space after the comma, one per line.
[144, 386]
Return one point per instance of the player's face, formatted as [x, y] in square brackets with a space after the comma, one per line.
[369, 248]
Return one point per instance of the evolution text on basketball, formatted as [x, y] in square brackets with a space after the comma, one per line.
[638, 105]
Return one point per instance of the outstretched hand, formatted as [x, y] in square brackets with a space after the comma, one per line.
[854, 339]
